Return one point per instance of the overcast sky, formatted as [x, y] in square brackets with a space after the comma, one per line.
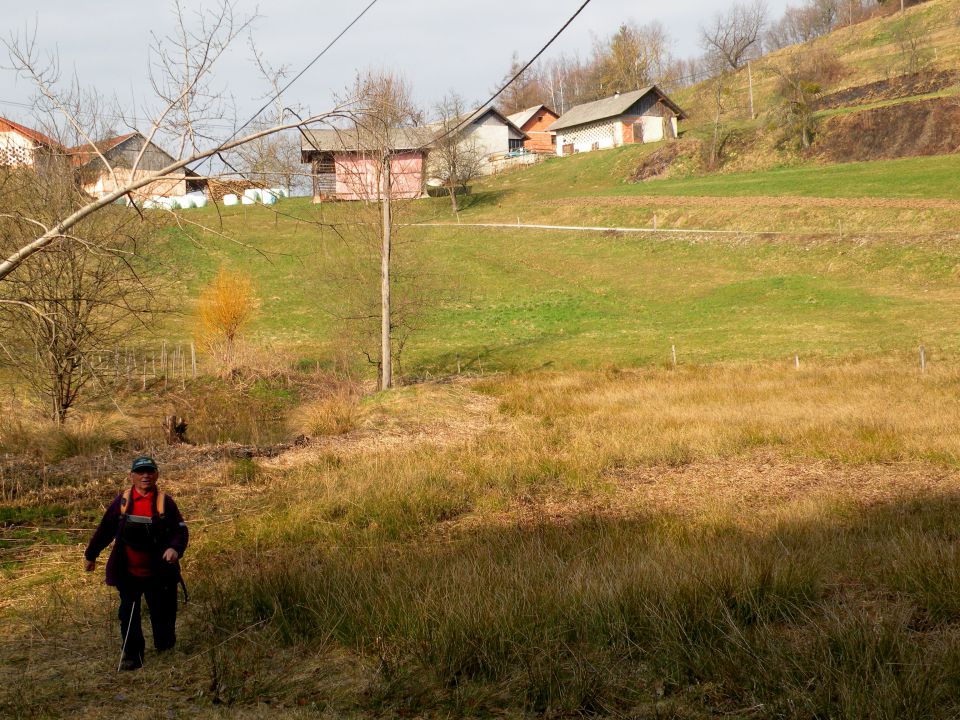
[437, 44]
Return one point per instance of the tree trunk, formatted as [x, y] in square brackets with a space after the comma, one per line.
[386, 369]
[453, 198]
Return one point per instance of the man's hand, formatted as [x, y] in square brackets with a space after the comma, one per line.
[89, 565]
[170, 555]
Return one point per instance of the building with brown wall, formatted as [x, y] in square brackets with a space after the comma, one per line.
[641, 116]
[535, 122]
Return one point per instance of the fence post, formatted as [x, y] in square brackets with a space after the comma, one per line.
[796, 361]
[193, 359]
[673, 355]
[923, 359]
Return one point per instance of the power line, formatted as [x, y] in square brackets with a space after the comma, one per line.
[304, 70]
[520, 72]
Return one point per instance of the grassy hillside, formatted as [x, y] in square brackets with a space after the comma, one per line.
[893, 59]
[505, 298]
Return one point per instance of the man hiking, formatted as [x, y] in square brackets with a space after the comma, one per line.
[149, 537]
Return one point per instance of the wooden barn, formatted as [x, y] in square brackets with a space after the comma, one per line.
[347, 166]
[646, 115]
[535, 123]
[121, 152]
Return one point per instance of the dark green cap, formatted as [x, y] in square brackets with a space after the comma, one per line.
[143, 463]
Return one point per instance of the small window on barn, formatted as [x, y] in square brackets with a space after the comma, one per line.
[595, 146]
[540, 118]
[325, 165]
[553, 139]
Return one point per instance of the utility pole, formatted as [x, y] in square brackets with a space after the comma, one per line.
[386, 369]
[750, 80]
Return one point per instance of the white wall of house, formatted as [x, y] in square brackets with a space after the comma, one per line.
[597, 135]
[652, 128]
[609, 133]
[490, 137]
[15, 149]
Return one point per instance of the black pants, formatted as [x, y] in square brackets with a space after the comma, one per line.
[161, 596]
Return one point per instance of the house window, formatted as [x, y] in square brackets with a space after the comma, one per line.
[553, 139]
[595, 146]
[324, 165]
[540, 118]
[515, 144]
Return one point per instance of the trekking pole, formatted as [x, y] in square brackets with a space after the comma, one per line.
[123, 648]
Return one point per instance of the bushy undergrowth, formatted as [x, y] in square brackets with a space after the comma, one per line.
[86, 435]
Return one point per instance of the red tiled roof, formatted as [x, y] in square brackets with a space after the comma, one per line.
[82, 154]
[9, 125]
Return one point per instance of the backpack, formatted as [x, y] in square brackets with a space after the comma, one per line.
[159, 513]
[159, 503]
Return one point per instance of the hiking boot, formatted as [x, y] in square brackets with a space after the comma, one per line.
[130, 664]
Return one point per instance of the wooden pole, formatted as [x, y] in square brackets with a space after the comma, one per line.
[673, 355]
[750, 80]
[193, 359]
[923, 359]
[386, 369]
[796, 361]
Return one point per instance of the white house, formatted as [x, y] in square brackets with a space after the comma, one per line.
[20, 145]
[491, 135]
[646, 115]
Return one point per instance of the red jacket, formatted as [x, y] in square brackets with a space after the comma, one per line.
[172, 531]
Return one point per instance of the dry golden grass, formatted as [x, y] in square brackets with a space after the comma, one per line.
[553, 543]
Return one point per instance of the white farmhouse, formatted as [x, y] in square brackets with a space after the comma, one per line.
[492, 134]
[641, 116]
[489, 135]
[20, 145]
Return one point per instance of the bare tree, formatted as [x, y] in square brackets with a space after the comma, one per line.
[186, 106]
[455, 159]
[383, 141]
[733, 35]
[633, 57]
[568, 80]
[273, 159]
[523, 92]
[802, 23]
[76, 300]
[913, 41]
[800, 80]
[714, 96]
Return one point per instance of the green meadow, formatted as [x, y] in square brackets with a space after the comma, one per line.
[505, 298]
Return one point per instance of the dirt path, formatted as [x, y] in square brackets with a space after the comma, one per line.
[753, 201]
